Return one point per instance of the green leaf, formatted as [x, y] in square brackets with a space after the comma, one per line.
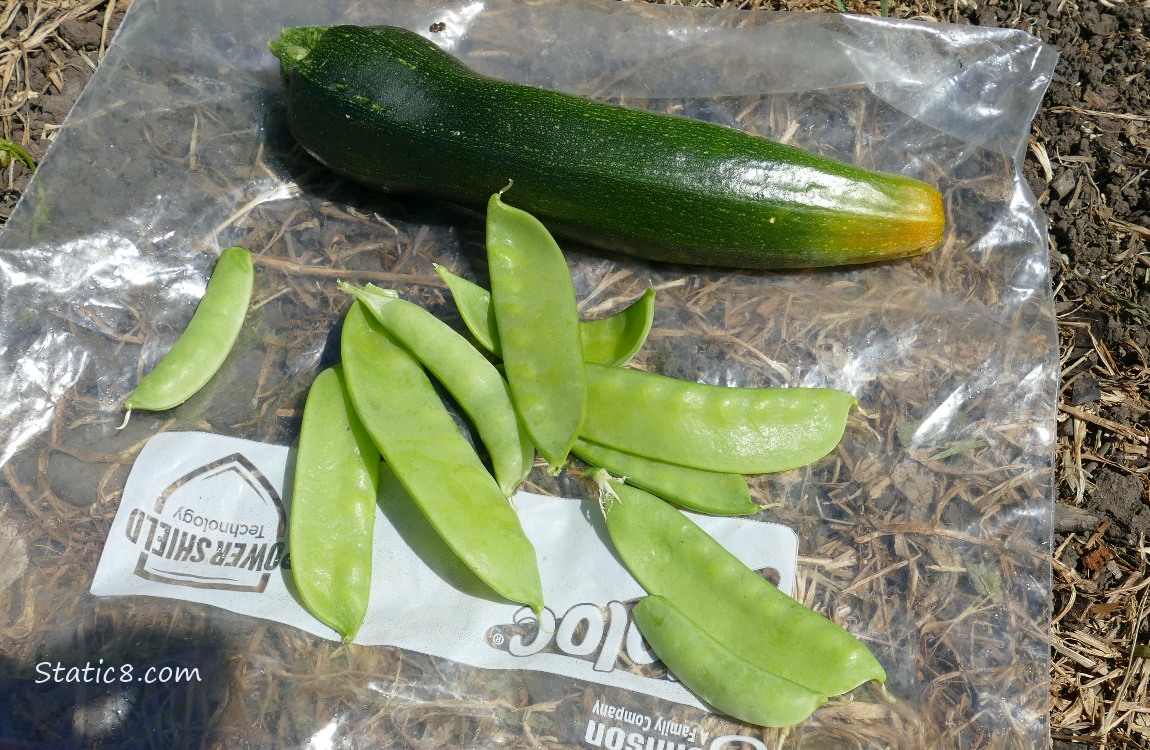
[10, 150]
[987, 581]
[957, 448]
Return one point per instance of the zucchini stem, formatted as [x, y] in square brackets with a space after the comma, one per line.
[294, 44]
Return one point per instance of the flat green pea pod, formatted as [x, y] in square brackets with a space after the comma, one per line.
[700, 491]
[613, 340]
[538, 324]
[442, 473]
[473, 381]
[333, 507]
[711, 671]
[730, 430]
[204, 345]
[474, 305]
[616, 339]
[671, 557]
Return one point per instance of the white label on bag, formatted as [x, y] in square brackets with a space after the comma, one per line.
[204, 519]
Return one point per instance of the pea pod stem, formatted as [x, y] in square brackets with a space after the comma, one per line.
[201, 349]
[421, 444]
[696, 490]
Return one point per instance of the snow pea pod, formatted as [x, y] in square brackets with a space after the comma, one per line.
[467, 375]
[538, 325]
[204, 345]
[731, 430]
[721, 678]
[474, 305]
[616, 339]
[613, 340]
[333, 507]
[694, 489]
[422, 445]
[670, 556]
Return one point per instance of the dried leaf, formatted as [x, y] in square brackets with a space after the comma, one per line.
[957, 448]
[13, 556]
[1096, 558]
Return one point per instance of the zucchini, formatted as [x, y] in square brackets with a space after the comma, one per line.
[387, 108]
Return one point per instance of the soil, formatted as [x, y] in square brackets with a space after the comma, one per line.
[1088, 161]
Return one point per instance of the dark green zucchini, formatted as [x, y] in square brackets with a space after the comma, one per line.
[387, 108]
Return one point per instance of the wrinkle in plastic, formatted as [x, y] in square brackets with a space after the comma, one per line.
[927, 533]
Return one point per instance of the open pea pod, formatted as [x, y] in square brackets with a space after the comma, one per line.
[400, 409]
[671, 557]
[333, 507]
[713, 672]
[613, 340]
[471, 380]
[710, 427]
[700, 491]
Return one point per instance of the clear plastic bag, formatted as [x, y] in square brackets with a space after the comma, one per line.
[928, 533]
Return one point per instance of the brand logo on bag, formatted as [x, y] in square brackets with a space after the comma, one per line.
[202, 519]
[585, 631]
[219, 526]
[620, 727]
[599, 634]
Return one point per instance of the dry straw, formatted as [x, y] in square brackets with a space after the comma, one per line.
[928, 545]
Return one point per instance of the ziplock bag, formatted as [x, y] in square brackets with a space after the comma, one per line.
[927, 533]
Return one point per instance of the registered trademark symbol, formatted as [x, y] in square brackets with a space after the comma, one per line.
[497, 639]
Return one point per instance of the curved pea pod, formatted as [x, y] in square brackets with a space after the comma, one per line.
[731, 430]
[538, 324]
[333, 507]
[616, 339]
[711, 671]
[613, 340]
[700, 491]
[422, 445]
[671, 557]
[204, 345]
[474, 382]
[474, 305]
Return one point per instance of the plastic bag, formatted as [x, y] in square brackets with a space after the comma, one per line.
[928, 532]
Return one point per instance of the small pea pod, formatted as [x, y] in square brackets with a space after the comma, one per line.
[711, 671]
[671, 557]
[693, 489]
[613, 340]
[538, 324]
[422, 445]
[472, 381]
[474, 305]
[333, 507]
[204, 345]
[730, 430]
[616, 339]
